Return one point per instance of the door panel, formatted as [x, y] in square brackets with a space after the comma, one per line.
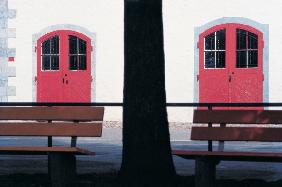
[48, 89]
[213, 88]
[72, 82]
[244, 88]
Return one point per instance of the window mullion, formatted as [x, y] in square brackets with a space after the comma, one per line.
[77, 54]
[215, 37]
[248, 50]
[50, 62]
[204, 52]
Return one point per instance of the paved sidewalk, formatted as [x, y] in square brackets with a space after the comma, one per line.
[109, 148]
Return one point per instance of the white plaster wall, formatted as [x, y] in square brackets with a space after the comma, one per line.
[105, 18]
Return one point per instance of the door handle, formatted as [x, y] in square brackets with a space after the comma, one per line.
[63, 80]
[67, 81]
[229, 78]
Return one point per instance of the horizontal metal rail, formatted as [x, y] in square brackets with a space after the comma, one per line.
[120, 104]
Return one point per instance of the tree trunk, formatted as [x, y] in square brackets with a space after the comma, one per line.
[147, 159]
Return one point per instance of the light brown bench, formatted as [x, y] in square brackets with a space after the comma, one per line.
[206, 161]
[52, 121]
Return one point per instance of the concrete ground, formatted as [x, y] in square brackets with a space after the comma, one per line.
[109, 148]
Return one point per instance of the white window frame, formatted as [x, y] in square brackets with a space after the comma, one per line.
[50, 55]
[214, 50]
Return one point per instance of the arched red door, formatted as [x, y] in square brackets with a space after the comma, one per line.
[230, 64]
[64, 67]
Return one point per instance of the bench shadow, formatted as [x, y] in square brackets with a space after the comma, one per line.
[110, 180]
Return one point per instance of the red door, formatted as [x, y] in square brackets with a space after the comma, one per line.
[230, 68]
[63, 67]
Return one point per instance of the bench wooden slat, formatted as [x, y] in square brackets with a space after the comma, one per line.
[43, 150]
[236, 134]
[230, 156]
[52, 113]
[238, 116]
[51, 129]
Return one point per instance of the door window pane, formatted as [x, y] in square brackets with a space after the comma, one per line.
[209, 59]
[82, 46]
[46, 63]
[73, 62]
[50, 54]
[220, 39]
[210, 42]
[73, 45]
[253, 58]
[252, 41]
[55, 62]
[54, 45]
[241, 39]
[46, 47]
[82, 62]
[241, 60]
[220, 59]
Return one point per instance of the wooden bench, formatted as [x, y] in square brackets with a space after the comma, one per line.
[52, 121]
[255, 125]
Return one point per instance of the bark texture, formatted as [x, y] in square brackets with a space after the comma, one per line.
[147, 159]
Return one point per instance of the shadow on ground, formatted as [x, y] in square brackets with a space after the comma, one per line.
[109, 180]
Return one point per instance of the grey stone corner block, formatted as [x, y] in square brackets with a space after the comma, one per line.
[7, 91]
[12, 13]
[8, 33]
[7, 71]
[8, 52]
[11, 91]
[12, 52]
[4, 13]
[11, 72]
[12, 33]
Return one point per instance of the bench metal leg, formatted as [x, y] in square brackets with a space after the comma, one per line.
[62, 169]
[221, 143]
[205, 172]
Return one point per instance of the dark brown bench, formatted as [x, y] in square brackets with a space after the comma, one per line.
[250, 129]
[52, 121]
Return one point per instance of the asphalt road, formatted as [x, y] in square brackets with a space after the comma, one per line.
[109, 148]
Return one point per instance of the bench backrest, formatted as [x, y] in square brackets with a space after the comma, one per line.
[52, 113]
[248, 133]
[65, 120]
